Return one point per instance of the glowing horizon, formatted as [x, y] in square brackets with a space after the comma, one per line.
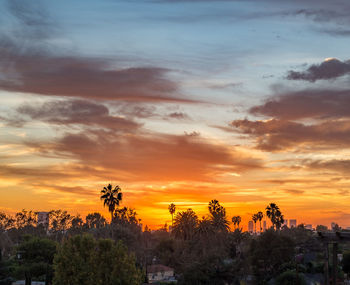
[176, 102]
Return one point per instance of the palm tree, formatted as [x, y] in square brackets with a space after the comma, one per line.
[172, 209]
[274, 214]
[218, 216]
[260, 216]
[111, 197]
[255, 219]
[185, 224]
[236, 220]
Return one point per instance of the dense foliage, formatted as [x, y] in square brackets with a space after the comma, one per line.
[83, 260]
[202, 250]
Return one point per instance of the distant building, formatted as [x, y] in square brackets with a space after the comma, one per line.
[250, 226]
[160, 273]
[264, 226]
[43, 219]
[308, 227]
[285, 223]
[333, 225]
[292, 223]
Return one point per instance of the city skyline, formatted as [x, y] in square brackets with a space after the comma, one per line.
[246, 102]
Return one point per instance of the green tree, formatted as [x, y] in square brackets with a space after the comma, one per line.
[111, 197]
[185, 224]
[172, 209]
[83, 260]
[218, 216]
[268, 252]
[273, 212]
[36, 258]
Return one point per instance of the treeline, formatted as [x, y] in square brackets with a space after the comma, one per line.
[202, 250]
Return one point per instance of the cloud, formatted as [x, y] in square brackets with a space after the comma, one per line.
[28, 64]
[329, 69]
[279, 135]
[337, 165]
[68, 112]
[294, 191]
[299, 121]
[144, 157]
[179, 116]
[310, 103]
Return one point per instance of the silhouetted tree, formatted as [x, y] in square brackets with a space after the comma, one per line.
[25, 218]
[236, 220]
[111, 197]
[60, 221]
[274, 214]
[255, 219]
[321, 228]
[260, 216]
[218, 216]
[95, 220]
[172, 209]
[185, 224]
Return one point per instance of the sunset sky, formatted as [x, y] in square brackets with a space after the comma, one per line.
[181, 101]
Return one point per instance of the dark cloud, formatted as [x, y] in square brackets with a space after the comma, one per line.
[28, 64]
[279, 135]
[301, 121]
[328, 69]
[306, 104]
[150, 156]
[179, 116]
[67, 112]
[137, 110]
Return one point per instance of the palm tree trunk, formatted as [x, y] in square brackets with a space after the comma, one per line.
[111, 225]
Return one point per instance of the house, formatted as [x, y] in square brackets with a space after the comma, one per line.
[160, 273]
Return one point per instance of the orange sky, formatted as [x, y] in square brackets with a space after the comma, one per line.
[176, 110]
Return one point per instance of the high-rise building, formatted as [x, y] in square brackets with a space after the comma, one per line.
[285, 223]
[43, 219]
[292, 223]
[250, 226]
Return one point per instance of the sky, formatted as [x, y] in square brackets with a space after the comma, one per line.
[176, 101]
